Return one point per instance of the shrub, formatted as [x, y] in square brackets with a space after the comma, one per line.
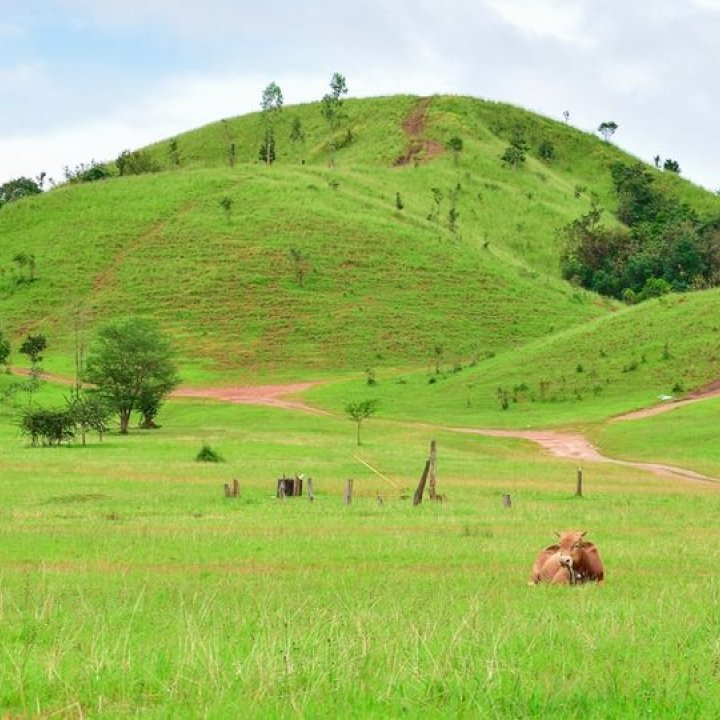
[47, 427]
[207, 454]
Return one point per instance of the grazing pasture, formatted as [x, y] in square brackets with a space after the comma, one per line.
[130, 587]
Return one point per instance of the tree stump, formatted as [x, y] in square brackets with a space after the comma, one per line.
[348, 491]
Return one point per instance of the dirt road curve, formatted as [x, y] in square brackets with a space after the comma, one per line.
[268, 395]
[573, 446]
[568, 445]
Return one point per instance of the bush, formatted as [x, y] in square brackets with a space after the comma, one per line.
[136, 163]
[47, 427]
[207, 454]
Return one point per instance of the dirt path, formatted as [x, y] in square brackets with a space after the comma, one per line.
[574, 446]
[566, 445]
[264, 395]
[709, 391]
[418, 148]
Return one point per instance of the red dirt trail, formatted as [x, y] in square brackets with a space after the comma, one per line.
[567, 445]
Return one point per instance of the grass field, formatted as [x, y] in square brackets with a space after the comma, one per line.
[131, 587]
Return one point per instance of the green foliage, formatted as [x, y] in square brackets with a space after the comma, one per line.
[331, 108]
[266, 152]
[88, 411]
[207, 454]
[271, 104]
[47, 427]
[515, 153]
[140, 162]
[174, 152]
[18, 188]
[33, 346]
[360, 410]
[86, 172]
[607, 129]
[671, 166]
[546, 151]
[665, 248]
[131, 360]
[297, 134]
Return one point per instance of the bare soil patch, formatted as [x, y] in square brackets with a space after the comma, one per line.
[418, 148]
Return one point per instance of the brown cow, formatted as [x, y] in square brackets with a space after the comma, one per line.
[571, 561]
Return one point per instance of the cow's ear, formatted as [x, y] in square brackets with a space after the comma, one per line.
[583, 533]
[556, 533]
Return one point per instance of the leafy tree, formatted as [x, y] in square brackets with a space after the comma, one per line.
[607, 129]
[19, 188]
[332, 111]
[300, 263]
[455, 145]
[89, 412]
[360, 410]
[546, 151]
[671, 166]
[129, 360]
[515, 152]
[271, 104]
[33, 346]
[566, 115]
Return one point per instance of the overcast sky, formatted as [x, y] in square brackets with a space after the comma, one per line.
[84, 79]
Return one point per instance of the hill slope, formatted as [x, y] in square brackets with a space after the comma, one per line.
[295, 267]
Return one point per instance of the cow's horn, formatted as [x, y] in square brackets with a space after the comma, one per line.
[556, 533]
[583, 533]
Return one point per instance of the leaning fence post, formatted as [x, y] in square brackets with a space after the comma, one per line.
[348, 491]
[417, 497]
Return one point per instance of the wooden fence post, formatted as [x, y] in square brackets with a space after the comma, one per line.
[379, 500]
[281, 488]
[431, 475]
[310, 493]
[417, 497]
[227, 490]
[578, 491]
[348, 491]
[235, 487]
[507, 502]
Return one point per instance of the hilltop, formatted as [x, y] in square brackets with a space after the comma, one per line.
[298, 268]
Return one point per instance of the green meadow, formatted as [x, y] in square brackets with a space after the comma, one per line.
[131, 587]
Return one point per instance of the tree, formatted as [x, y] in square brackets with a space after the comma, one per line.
[455, 145]
[607, 129]
[19, 188]
[671, 166]
[546, 150]
[271, 104]
[359, 410]
[88, 412]
[516, 151]
[33, 346]
[332, 111]
[129, 360]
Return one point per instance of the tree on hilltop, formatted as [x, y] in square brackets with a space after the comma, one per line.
[271, 104]
[332, 111]
[607, 129]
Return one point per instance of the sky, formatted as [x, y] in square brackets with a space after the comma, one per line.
[87, 79]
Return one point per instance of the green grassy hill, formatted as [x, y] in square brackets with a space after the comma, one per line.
[381, 286]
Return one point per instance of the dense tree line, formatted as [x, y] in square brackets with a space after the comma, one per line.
[661, 246]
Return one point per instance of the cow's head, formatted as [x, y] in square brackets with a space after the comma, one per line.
[571, 544]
